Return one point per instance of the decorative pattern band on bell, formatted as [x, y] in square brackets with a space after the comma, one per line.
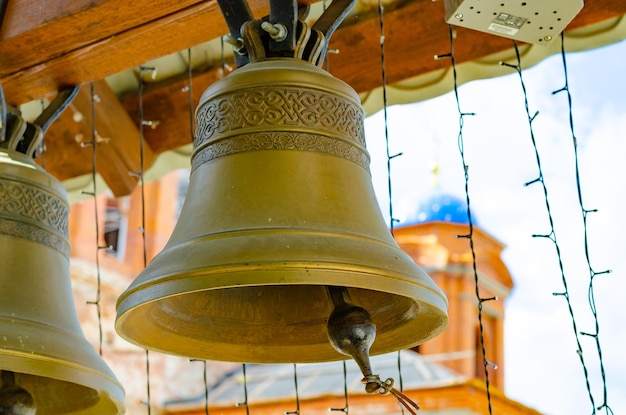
[280, 206]
[46, 362]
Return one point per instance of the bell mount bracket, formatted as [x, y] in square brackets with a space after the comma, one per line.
[283, 33]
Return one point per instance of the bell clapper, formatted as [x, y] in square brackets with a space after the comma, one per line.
[350, 328]
[351, 332]
[14, 400]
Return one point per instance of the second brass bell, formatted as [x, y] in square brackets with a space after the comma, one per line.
[47, 365]
[280, 205]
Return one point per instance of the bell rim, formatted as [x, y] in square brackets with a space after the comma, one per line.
[109, 391]
[431, 301]
[204, 279]
[352, 255]
[97, 376]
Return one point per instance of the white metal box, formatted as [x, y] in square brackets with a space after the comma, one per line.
[531, 21]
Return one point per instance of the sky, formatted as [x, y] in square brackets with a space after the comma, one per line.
[542, 368]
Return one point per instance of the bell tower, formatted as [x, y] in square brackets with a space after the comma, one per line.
[432, 241]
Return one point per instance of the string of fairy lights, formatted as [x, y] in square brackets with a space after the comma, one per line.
[93, 143]
[245, 390]
[346, 407]
[480, 300]
[383, 75]
[297, 392]
[206, 384]
[551, 235]
[584, 214]
[189, 90]
[389, 157]
[140, 175]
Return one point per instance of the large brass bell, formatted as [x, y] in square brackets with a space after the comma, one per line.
[44, 356]
[280, 205]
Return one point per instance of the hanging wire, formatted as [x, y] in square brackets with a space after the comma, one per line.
[3, 114]
[206, 384]
[189, 90]
[386, 387]
[470, 235]
[3, 103]
[140, 175]
[404, 402]
[295, 382]
[224, 65]
[400, 378]
[222, 56]
[383, 74]
[552, 234]
[245, 391]
[345, 408]
[584, 213]
[42, 146]
[93, 98]
[328, 51]
[3, 8]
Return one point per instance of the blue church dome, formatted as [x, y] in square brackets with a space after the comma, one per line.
[441, 207]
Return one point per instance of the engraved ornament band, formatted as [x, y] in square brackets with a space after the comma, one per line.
[280, 118]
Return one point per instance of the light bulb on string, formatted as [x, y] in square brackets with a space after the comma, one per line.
[15, 400]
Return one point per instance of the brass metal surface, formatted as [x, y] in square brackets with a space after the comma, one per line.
[41, 341]
[280, 205]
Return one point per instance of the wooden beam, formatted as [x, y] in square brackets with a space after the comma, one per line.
[117, 140]
[54, 28]
[107, 53]
[70, 43]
